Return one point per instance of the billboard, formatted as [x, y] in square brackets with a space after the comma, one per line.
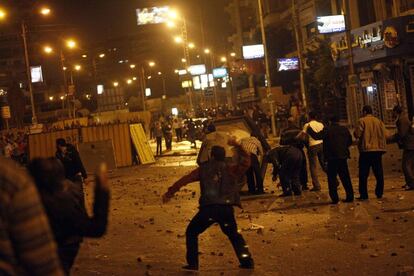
[36, 74]
[182, 72]
[219, 73]
[331, 24]
[148, 92]
[253, 51]
[100, 89]
[196, 83]
[153, 15]
[287, 64]
[196, 70]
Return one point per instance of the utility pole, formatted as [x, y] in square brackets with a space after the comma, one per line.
[352, 78]
[143, 86]
[269, 80]
[187, 59]
[299, 46]
[29, 78]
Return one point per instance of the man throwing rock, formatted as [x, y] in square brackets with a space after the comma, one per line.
[219, 193]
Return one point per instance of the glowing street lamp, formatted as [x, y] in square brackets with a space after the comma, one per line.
[71, 44]
[233, 54]
[178, 39]
[159, 73]
[62, 97]
[223, 59]
[78, 67]
[3, 14]
[134, 78]
[64, 68]
[132, 66]
[191, 45]
[84, 56]
[171, 25]
[173, 14]
[183, 60]
[149, 77]
[48, 49]
[116, 84]
[207, 51]
[129, 81]
[101, 55]
[51, 98]
[45, 11]
[151, 64]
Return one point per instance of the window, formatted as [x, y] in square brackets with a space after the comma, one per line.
[366, 12]
[406, 5]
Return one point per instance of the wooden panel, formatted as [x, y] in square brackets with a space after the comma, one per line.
[44, 145]
[121, 139]
[140, 141]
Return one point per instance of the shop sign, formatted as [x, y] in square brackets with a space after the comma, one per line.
[391, 39]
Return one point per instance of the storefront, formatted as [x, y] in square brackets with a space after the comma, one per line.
[384, 60]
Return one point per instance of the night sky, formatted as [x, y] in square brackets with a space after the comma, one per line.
[97, 20]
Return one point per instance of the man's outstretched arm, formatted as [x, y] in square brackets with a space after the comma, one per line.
[183, 181]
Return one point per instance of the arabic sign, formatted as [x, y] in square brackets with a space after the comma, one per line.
[331, 24]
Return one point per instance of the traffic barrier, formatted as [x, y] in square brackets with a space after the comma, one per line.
[43, 145]
[120, 136]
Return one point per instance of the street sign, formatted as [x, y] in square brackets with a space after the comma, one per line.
[5, 112]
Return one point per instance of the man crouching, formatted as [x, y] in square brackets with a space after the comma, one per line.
[219, 186]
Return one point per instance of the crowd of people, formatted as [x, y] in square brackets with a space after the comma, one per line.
[14, 145]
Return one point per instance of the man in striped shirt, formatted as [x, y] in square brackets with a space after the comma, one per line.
[254, 174]
[26, 243]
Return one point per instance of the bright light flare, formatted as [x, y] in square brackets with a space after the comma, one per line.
[45, 11]
[171, 25]
[151, 64]
[207, 51]
[223, 59]
[101, 55]
[173, 14]
[178, 39]
[129, 81]
[71, 44]
[84, 56]
[48, 49]
[159, 73]
[191, 45]
[3, 14]
[233, 54]
[116, 84]
[132, 66]
[183, 60]
[77, 67]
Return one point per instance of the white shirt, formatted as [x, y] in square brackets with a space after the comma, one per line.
[317, 127]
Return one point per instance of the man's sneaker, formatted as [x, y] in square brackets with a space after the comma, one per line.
[191, 267]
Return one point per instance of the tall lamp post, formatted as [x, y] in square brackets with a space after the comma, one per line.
[268, 77]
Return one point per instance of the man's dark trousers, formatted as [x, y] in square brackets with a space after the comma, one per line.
[368, 160]
[408, 167]
[207, 216]
[254, 175]
[339, 167]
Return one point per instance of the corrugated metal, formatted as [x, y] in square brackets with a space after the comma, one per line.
[120, 136]
[44, 144]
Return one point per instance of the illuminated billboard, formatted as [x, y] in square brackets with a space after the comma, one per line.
[148, 92]
[219, 73]
[287, 64]
[331, 24]
[36, 74]
[196, 70]
[253, 51]
[196, 83]
[182, 72]
[154, 15]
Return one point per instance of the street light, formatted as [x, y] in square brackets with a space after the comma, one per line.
[159, 73]
[48, 50]
[71, 43]
[207, 51]
[134, 78]
[223, 59]
[85, 56]
[233, 54]
[77, 67]
[129, 81]
[151, 64]
[173, 14]
[183, 60]
[51, 98]
[171, 24]
[45, 11]
[191, 45]
[3, 14]
[178, 39]
[101, 55]
[116, 84]
[132, 66]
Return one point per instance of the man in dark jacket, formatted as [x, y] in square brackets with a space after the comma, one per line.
[336, 142]
[290, 136]
[63, 202]
[70, 158]
[219, 193]
[405, 139]
[287, 163]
